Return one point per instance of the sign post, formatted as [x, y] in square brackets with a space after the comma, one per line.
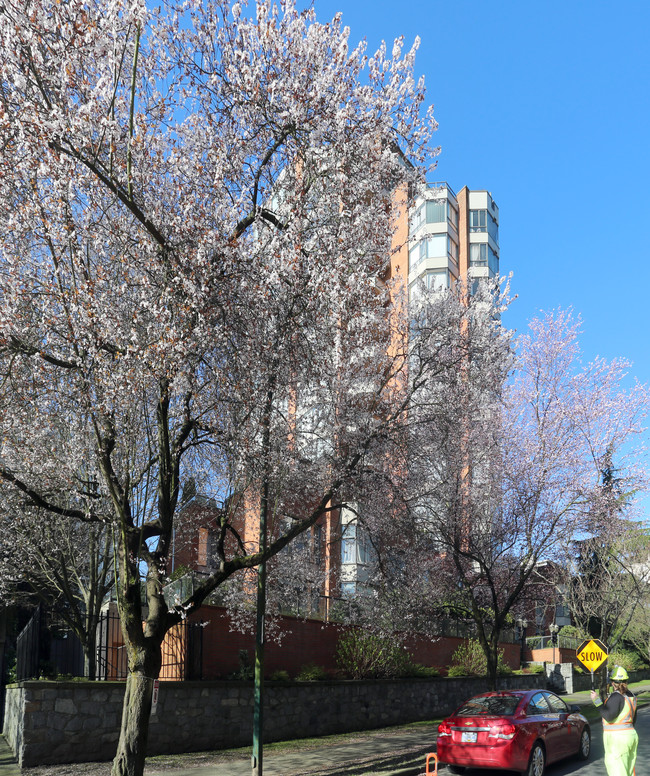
[592, 654]
[154, 696]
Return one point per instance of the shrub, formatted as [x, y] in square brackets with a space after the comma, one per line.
[535, 668]
[503, 669]
[10, 666]
[573, 632]
[364, 655]
[311, 673]
[471, 659]
[280, 676]
[455, 671]
[626, 658]
[423, 671]
[246, 671]
[46, 670]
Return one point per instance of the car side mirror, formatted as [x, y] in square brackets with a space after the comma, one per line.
[574, 709]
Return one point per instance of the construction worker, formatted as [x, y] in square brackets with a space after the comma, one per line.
[619, 715]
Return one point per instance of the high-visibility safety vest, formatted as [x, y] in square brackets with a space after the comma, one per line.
[625, 720]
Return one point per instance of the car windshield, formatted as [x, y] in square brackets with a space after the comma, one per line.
[492, 705]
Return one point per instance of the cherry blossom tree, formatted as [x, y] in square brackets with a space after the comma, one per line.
[197, 209]
[509, 475]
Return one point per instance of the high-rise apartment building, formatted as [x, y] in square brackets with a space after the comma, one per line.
[452, 236]
[442, 238]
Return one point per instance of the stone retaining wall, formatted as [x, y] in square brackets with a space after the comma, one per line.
[59, 722]
[563, 679]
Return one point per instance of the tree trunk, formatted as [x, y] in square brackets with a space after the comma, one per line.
[492, 663]
[90, 648]
[132, 746]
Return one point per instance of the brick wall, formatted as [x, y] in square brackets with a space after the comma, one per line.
[304, 642]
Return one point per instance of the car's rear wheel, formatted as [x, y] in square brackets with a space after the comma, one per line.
[458, 769]
[585, 744]
[537, 761]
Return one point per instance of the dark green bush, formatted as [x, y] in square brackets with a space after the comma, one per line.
[311, 673]
[246, 670]
[425, 672]
[280, 676]
[10, 666]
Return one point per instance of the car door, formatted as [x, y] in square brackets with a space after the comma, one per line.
[569, 728]
[544, 724]
[556, 731]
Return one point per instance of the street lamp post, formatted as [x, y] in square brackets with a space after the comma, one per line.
[554, 628]
[523, 624]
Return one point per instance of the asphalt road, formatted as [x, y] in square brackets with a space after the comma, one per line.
[595, 765]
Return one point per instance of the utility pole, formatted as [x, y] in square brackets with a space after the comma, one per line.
[257, 758]
[258, 699]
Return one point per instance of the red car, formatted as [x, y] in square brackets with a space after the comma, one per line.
[518, 730]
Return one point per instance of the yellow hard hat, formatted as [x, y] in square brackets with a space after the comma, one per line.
[620, 674]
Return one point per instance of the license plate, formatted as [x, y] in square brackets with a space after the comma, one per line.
[468, 738]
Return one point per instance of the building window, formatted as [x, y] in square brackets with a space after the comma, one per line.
[432, 280]
[478, 220]
[478, 255]
[349, 544]
[493, 229]
[493, 262]
[431, 247]
[418, 218]
[436, 211]
[481, 255]
[348, 589]
[317, 544]
[355, 545]
[562, 611]
[436, 280]
[202, 553]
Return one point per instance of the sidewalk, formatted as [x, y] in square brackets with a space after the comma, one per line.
[8, 766]
[393, 751]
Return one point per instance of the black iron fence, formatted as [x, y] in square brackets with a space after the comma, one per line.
[46, 648]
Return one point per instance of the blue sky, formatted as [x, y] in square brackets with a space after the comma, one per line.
[546, 105]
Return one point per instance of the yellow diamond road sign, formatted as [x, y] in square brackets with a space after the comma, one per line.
[592, 654]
